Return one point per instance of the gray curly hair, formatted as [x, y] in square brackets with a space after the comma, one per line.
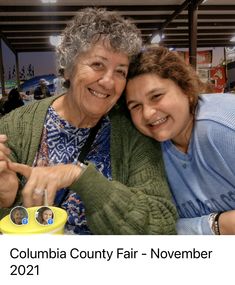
[88, 27]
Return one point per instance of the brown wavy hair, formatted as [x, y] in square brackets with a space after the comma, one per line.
[169, 65]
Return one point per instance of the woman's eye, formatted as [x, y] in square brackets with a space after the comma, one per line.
[156, 96]
[97, 65]
[134, 107]
[123, 73]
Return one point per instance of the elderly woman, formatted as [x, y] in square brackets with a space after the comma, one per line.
[91, 162]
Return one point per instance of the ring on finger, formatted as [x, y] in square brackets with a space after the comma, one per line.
[38, 191]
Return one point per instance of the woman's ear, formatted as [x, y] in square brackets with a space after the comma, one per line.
[67, 83]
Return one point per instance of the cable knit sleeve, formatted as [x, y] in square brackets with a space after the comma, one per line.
[137, 200]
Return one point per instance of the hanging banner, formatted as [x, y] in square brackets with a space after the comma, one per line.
[204, 58]
[218, 78]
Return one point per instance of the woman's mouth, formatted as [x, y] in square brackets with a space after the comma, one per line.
[158, 122]
[98, 94]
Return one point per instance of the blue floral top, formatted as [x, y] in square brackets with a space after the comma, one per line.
[61, 143]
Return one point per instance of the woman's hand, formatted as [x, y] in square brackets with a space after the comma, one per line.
[227, 223]
[39, 179]
[8, 178]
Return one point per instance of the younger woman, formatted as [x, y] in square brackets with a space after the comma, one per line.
[197, 135]
[45, 216]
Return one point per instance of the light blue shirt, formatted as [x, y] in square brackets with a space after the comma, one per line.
[203, 180]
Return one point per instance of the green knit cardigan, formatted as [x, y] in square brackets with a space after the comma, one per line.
[136, 201]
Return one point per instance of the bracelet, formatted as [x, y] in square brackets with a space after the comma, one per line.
[83, 166]
[214, 222]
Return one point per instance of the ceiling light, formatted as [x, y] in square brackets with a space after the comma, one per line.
[49, 1]
[232, 39]
[55, 40]
[156, 39]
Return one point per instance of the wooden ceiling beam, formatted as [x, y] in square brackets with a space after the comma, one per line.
[75, 8]
[153, 18]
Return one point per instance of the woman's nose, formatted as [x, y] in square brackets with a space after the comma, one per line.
[148, 112]
[107, 80]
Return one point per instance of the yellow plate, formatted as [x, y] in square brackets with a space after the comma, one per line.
[33, 227]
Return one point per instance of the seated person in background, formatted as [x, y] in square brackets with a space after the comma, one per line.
[197, 135]
[13, 101]
[42, 91]
[94, 164]
[28, 97]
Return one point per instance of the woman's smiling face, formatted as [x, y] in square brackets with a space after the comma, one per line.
[158, 107]
[47, 214]
[18, 216]
[98, 80]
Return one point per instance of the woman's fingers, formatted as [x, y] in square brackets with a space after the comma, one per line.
[3, 148]
[32, 195]
[4, 153]
[3, 162]
[51, 193]
[8, 178]
[3, 166]
[39, 179]
[33, 192]
[38, 195]
[4, 156]
[22, 169]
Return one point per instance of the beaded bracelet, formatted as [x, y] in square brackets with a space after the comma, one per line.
[214, 222]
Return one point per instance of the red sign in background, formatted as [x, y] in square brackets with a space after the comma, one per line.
[217, 76]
